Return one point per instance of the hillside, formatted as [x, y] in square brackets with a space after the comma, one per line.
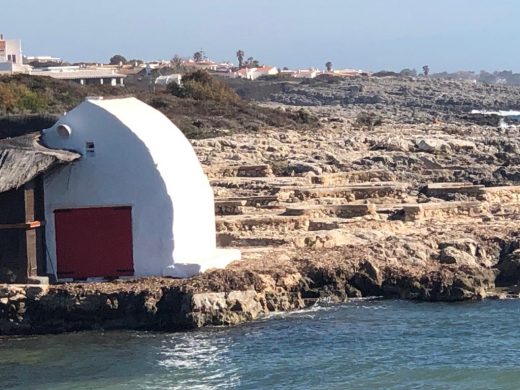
[397, 99]
[27, 101]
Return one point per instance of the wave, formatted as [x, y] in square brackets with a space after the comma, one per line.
[499, 113]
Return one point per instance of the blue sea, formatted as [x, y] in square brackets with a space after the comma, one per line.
[374, 344]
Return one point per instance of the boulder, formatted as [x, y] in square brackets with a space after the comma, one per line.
[452, 255]
[432, 145]
[460, 145]
[509, 269]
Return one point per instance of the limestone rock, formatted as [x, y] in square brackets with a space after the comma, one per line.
[509, 269]
[432, 145]
[452, 255]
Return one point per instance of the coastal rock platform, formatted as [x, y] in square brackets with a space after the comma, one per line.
[425, 209]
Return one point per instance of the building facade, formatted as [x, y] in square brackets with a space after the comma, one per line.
[11, 60]
[138, 202]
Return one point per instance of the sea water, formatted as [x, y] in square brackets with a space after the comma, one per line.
[374, 344]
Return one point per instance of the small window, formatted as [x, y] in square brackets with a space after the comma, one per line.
[90, 149]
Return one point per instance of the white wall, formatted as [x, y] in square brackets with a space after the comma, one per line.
[142, 160]
[13, 47]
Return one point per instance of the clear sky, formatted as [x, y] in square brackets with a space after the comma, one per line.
[366, 34]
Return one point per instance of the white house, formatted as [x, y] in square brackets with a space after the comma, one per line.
[11, 60]
[265, 71]
[254, 73]
[137, 203]
[168, 79]
[244, 73]
[306, 73]
[82, 75]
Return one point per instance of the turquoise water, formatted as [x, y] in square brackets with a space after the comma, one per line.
[359, 345]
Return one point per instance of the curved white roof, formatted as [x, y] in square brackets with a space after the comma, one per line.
[139, 159]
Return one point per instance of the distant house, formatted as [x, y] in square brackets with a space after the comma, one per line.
[254, 73]
[243, 73]
[346, 72]
[83, 75]
[265, 71]
[11, 60]
[168, 79]
[200, 65]
[42, 60]
[119, 192]
[305, 73]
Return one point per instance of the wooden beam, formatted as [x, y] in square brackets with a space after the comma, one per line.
[30, 233]
[24, 225]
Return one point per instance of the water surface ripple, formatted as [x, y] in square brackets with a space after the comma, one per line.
[360, 345]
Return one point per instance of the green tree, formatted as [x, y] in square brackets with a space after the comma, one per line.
[8, 98]
[426, 70]
[328, 65]
[16, 97]
[134, 61]
[117, 59]
[240, 57]
[33, 102]
[176, 61]
[198, 56]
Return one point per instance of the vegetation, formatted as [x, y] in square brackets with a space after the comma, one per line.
[135, 61]
[208, 118]
[328, 65]
[198, 56]
[117, 59]
[17, 98]
[367, 121]
[408, 72]
[23, 94]
[199, 85]
[240, 57]
[206, 107]
[426, 70]
[252, 63]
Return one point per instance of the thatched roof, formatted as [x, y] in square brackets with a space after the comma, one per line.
[23, 158]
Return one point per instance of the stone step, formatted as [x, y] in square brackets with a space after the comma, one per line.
[504, 194]
[259, 183]
[261, 223]
[230, 240]
[341, 211]
[353, 177]
[261, 170]
[349, 192]
[252, 201]
[229, 207]
[447, 190]
[442, 210]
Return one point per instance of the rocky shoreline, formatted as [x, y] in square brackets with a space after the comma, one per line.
[251, 289]
[422, 206]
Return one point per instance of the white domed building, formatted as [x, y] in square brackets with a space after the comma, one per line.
[137, 203]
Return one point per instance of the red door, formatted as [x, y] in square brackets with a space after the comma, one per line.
[94, 242]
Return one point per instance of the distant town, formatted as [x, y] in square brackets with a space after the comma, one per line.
[114, 73]
[163, 72]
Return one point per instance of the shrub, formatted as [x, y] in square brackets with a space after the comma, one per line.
[367, 120]
[33, 102]
[16, 97]
[305, 117]
[199, 85]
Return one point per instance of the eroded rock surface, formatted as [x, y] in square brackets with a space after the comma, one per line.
[423, 208]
